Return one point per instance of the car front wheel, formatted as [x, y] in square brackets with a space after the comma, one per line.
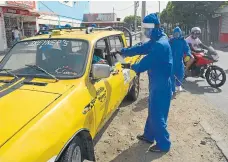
[134, 91]
[74, 152]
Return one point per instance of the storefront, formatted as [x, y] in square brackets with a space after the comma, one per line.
[19, 14]
[101, 20]
[223, 25]
[103, 24]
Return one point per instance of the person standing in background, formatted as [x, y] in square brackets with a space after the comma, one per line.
[179, 48]
[16, 35]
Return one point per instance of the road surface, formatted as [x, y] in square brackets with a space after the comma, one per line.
[218, 97]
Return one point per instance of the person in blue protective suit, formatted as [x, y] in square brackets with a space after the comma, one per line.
[179, 48]
[158, 63]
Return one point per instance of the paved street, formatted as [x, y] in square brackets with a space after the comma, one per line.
[199, 86]
[218, 97]
[1, 57]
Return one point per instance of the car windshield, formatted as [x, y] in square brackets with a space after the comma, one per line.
[63, 58]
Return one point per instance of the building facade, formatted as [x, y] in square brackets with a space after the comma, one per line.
[29, 16]
[101, 19]
[21, 14]
[54, 13]
[223, 25]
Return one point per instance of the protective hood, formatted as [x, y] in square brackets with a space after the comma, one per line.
[157, 32]
[177, 30]
[152, 19]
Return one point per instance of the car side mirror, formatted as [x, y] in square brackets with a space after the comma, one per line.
[100, 71]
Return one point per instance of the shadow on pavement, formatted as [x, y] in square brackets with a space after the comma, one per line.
[137, 153]
[125, 102]
[194, 88]
[141, 104]
[101, 132]
[226, 71]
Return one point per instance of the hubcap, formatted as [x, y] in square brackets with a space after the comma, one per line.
[215, 76]
[76, 157]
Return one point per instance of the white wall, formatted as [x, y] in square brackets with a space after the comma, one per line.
[2, 2]
[224, 24]
[54, 20]
[3, 43]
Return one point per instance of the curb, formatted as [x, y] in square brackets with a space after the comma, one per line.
[221, 144]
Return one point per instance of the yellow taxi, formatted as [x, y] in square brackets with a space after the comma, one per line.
[58, 90]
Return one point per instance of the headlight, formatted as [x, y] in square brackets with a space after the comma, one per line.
[52, 159]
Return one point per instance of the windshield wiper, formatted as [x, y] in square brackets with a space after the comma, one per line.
[10, 73]
[42, 70]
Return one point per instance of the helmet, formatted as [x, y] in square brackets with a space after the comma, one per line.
[195, 32]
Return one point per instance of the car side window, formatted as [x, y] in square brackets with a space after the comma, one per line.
[100, 52]
[101, 44]
[112, 43]
[119, 43]
[116, 44]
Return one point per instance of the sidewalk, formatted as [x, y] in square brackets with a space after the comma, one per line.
[221, 46]
[198, 132]
[2, 53]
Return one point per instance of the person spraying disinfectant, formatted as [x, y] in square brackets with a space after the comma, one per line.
[179, 47]
[158, 63]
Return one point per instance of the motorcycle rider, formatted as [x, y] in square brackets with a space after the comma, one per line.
[179, 47]
[158, 63]
[194, 42]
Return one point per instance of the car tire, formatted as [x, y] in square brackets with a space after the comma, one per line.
[74, 152]
[134, 91]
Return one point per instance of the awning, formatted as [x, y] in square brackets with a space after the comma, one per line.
[48, 13]
[19, 11]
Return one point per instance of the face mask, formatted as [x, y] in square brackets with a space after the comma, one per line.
[147, 32]
[176, 35]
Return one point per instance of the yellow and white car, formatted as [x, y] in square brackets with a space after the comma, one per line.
[54, 99]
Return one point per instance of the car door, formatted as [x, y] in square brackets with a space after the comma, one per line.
[117, 79]
[100, 92]
[116, 44]
[99, 101]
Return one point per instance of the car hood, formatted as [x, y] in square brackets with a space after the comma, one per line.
[21, 103]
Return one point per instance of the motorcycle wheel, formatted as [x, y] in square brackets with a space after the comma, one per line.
[213, 75]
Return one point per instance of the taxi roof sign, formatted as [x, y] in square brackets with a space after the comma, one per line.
[57, 32]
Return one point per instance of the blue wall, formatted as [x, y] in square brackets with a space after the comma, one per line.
[76, 12]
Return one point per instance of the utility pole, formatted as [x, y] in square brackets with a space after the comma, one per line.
[159, 10]
[143, 14]
[135, 13]
[113, 14]
[135, 10]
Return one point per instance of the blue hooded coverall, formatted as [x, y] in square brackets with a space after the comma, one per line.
[179, 47]
[158, 62]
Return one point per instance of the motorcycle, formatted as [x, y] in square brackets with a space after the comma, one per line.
[204, 65]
